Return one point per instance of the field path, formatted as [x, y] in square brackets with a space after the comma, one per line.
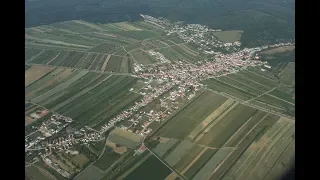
[105, 63]
[260, 95]
[155, 155]
[134, 167]
[281, 99]
[215, 122]
[209, 119]
[193, 161]
[53, 58]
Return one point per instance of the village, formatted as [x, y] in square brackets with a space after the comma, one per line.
[168, 85]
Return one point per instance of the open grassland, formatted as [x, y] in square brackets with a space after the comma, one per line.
[151, 168]
[191, 115]
[228, 36]
[34, 73]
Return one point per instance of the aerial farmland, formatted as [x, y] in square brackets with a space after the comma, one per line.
[154, 99]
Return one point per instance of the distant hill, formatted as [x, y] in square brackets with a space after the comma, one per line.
[263, 21]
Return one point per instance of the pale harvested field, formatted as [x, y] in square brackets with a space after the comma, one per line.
[105, 34]
[125, 138]
[164, 146]
[59, 75]
[127, 26]
[174, 157]
[110, 144]
[172, 176]
[278, 50]
[105, 63]
[28, 120]
[36, 72]
[55, 42]
[228, 36]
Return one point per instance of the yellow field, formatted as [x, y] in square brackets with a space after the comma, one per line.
[35, 72]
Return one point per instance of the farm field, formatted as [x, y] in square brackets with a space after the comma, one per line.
[82, 94]
[191, 115]
[228, 36]
[211, 145]
[257, 87]
[33, 73]
[151, 168]
[143, 57]
[123, 121]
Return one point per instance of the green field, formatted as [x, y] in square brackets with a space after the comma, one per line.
[191, 115]
[107, 159]
[143, 57]
[152, 168]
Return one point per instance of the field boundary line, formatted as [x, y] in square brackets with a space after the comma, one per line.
[105, 63]
[234, 104]
[209, 119]
[193, 161]
[35, 56]
[249, 79]
[271, 145]
[96, 71]
[173, 170]
[95, 58]
[260, 95]
[281, 99]
[134, 167]
[256, 153]
[252, 72]
[54, 58]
